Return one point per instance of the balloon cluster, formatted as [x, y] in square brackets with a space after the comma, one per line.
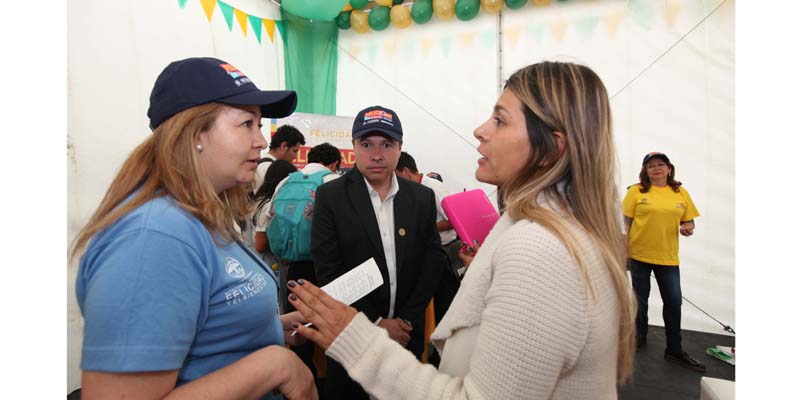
[400, 15]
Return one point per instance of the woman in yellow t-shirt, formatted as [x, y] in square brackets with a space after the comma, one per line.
[656, 210]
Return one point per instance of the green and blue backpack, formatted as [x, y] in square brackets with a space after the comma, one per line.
[289, 231]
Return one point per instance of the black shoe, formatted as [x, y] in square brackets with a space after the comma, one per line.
[685, 360]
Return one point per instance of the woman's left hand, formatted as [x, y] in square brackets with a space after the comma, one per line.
[328, 316]
[289, 319]
[687, 229]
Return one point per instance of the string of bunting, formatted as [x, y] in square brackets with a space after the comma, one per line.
[376, 15]
[242, 18]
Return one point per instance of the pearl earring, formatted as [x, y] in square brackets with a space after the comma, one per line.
[199, 147]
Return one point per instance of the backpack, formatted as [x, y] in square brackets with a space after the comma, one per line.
[289, 231]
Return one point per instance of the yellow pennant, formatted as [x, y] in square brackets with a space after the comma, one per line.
[559, 29]
[242, 18]
[672, 9]
[355, 51]
[513, 36]
[612, 22]
[466, 39]
[427, 44]
[270, 27]
[208, 7]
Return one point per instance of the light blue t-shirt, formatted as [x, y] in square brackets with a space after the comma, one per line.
[157, 294]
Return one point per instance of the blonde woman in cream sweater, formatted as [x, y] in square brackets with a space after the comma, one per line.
[545, 311]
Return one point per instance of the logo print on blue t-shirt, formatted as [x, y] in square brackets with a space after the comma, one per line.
[234, 268]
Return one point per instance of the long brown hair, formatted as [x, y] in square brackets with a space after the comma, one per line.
[167, 163]
[644, 179]
[571, 99]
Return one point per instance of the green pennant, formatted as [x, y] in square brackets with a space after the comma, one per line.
[282, 30]
[407, 49]
[488, 38]
[537, 31]
[446, 42]
[642, 12]
[372, 52]
[182, 3]
[255, 22]
[227, 12]
[586, 25]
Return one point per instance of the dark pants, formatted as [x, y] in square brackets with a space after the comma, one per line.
[448, 286]
[304, 270]
[669, 284]
[339, 385]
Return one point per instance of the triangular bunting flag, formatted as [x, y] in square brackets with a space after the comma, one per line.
[355, 51]
[427, 44]
[642, 12]
[269, 25]
[513, 35]
[488, 38]
[255, 22]
[446, 43]
[390, 46]
[281, 29]
[372, 52]
[242, 18]
[408, 49]
[586, 26]
[466, 39]
[612, 22]
[227, 12]
[559, 29]
[672, 9]
[537, 31]
[182, 3]
[208, 7]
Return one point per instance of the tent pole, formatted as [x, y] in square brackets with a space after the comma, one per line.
[499, 53]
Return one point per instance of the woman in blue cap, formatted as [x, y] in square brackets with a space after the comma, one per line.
[656, 210]
[174, 305]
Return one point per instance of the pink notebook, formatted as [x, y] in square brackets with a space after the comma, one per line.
[471, 214]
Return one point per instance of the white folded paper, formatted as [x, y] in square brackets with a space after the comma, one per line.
[356, 283]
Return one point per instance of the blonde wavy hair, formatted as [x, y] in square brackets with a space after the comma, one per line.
[571, 99]
[167, 164]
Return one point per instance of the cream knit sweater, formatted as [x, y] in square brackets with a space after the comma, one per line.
[537, 331]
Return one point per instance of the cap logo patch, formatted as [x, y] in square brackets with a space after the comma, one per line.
[378, 116]
[235, 74]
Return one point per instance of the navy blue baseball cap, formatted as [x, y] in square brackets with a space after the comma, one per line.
[653, 155]
[377, 119]
[192, 82]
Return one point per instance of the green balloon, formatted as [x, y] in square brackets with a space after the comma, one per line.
[358, 4]
[397, 1]
[378, 18]
[515, 4]
[343, 20]
[467, 9]
[422, 11]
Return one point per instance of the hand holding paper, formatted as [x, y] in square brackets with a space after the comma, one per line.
[347, 288]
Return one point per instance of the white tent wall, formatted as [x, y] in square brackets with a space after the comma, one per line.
[443, 75]
[116, 49]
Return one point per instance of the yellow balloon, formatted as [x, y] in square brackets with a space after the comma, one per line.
[400, 16]
[444, 9]
[385, 3]
[540, 3]
[358, 21]
[492, 6]
[347, 7]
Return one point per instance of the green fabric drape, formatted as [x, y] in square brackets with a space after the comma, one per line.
[310, 61]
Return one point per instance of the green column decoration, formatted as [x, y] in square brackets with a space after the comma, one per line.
[310, 59]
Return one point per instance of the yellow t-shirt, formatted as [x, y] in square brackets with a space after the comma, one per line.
[656, 215]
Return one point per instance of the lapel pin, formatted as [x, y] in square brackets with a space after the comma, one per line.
[402, 232]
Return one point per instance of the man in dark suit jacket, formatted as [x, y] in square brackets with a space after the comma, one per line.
[371, 213]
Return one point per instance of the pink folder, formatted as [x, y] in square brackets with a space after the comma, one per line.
[471, 214]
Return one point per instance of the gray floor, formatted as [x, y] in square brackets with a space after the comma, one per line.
[656, 379]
